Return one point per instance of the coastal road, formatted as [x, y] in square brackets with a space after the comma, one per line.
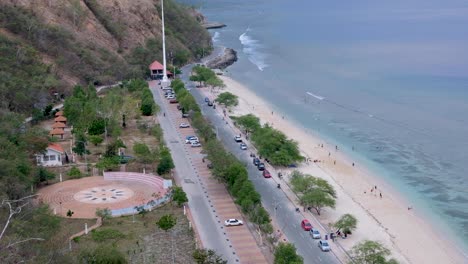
[284, 214]
[212, 238]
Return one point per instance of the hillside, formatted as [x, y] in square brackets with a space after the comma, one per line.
[47, 46]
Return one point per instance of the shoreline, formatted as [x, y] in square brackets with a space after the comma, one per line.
[387, 219]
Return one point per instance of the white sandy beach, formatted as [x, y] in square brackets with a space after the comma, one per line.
[385, 219]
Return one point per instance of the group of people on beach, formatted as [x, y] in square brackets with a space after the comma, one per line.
[375, 193]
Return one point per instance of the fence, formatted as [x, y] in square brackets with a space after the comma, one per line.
[148, 206]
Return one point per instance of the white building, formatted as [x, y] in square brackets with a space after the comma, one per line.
[52, 156]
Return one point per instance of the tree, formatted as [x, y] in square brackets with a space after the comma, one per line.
[285, 253]
[97, 126]
[347, 222]
[167, 222]
[104, 214]
[95, 139]
[312, 191]
[80, 144]
[249, 122]
[207, 256]
[44, 175]
[105, 254]
[144, 154]
[227, 99]
[165, 163]
[179, 196]
[215, 82]
[371, 252]
[141, 210]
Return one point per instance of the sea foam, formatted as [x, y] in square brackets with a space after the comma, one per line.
[251, 48]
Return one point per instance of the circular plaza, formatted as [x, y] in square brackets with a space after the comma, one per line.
[115, 191]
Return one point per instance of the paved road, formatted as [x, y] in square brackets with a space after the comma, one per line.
[204, 219]
[285, 214]
[237, 242]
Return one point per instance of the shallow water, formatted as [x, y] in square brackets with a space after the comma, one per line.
[389, 79]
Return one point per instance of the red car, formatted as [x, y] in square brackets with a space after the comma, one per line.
[266, 174]
[306, 225]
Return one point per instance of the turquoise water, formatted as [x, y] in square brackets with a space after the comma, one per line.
[390, 79]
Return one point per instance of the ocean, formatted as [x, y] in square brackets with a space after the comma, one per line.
[387, 79]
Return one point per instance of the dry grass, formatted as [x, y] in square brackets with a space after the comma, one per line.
[144, 242]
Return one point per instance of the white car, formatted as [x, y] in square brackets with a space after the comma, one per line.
[237, 139]
[243, 146]
[323, 245]
[315, 234]
[184, 125]
[191, 139]
[233, 222]
[170, 96]
[196, 144]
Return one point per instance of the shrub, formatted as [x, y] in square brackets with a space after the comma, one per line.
[100, 235]
[75, 173]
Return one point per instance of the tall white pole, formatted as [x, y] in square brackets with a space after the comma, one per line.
[165, 81]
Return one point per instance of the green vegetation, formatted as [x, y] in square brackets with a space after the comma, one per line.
[179, 196]
[205, 75]
[148, 107]
[313, 192]
[371, 252]
[103, 234]
[105, 254]
[167, 222]
[347, 222]
[285, 253]
[225, 166]
[116, 28]
[227, 99]
[165, 162]
[270, 143]
[74, 173]
[105, 214]
[207, 256]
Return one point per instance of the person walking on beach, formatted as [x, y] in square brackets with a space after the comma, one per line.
[164, 114]
[380, 195]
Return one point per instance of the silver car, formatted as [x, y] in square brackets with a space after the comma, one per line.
[323, 245]
[315, 234]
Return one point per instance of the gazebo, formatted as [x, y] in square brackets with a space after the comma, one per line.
[59, 125]
[61, 119]
[57, 132]
[156, 71]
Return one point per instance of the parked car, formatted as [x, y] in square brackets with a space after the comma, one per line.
[184, 125]
[261, 166]
[323, 245]
[266, 174]
[173, 101]
[179, 107]
[209, 166]
[256, 161]
[195, 144]
[207, 100]
[305, 224]
[185, 115]
[315, 234]
[210, 103]
[190, 138]
[171, 96]
[238, 139]
[243, 146]
[233, 222]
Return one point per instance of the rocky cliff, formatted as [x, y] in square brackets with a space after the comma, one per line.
[98, 41]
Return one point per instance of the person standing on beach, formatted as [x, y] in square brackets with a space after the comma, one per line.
[380, 195]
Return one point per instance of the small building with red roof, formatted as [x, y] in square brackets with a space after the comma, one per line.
[59, 125]
[61, 119]
[52, 156]
[59, 113]
[156, 71]
[57, 132]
